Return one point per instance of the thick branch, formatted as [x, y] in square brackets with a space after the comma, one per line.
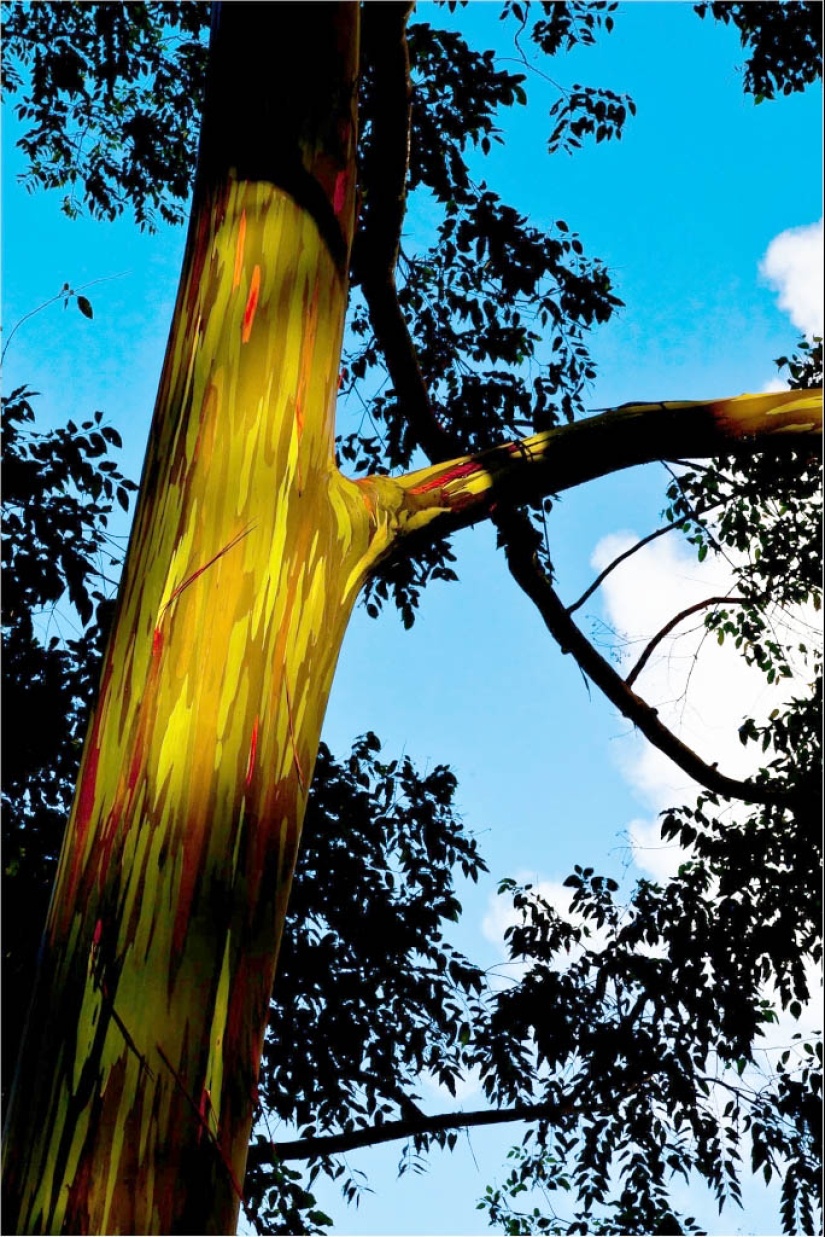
[459, 492]
[519, 545]
[674, 622]
[377, 245]
[389, 1131]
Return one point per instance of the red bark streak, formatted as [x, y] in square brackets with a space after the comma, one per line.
[452, 474]
[77, 1210]
[253, 747]
[199, 253]
[236, 278]
[339, 193]
[251, 304]
[204, 1125]
[190, 871]
[108, 835]
[86, 796]
[157, 644]
[204, 1108]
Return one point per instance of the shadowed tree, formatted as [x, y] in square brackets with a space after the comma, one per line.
[136, 1089]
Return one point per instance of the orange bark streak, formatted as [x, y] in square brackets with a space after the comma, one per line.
[299, 771]
[251, 304]
[236, 279]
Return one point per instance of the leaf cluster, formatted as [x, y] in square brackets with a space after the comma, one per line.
[646, 1020]
[370, 994]
[783, 41]
[644, 1023]
[111, 95]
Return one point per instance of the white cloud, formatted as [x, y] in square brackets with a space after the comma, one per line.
[793, 266]
[775, 384]
[702, 691]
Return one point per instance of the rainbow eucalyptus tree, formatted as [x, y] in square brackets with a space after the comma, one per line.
[134, 1097]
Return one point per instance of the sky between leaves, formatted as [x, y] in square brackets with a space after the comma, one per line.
[708, 213]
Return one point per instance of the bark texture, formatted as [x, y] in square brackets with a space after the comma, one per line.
[133, 1102]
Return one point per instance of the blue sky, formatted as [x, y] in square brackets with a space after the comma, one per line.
[683, 210]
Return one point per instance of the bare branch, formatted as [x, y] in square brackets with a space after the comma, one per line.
[459, 492]
[377, 246]
[520, 547]
[620, 558]
[674, 622]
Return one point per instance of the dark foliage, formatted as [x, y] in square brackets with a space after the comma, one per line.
[369, 992]
[111, 94]
[783, 42]
[58, 492]
[654, 1039]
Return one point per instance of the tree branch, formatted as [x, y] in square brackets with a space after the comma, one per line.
[459, 492]
[377, 245]
[335, 1144]
[620, 558]
[674, 622]
[520, 547]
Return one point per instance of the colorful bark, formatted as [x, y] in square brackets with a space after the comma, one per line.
[134, 1100]
[451, 495]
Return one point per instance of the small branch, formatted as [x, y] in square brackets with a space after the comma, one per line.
[693, 514]
[674, 622]
[620, 558]
[64, 292]
[520, 537]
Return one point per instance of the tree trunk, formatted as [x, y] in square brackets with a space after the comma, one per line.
[134, 1099]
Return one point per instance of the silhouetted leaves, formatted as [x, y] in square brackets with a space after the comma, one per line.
[111, 95]
[783, 41]
[57, 496]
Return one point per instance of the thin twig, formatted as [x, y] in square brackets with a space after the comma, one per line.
[519, 541]
[64, 291]
[674, 622]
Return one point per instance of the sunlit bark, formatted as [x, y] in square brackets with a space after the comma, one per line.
[134, 1098]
